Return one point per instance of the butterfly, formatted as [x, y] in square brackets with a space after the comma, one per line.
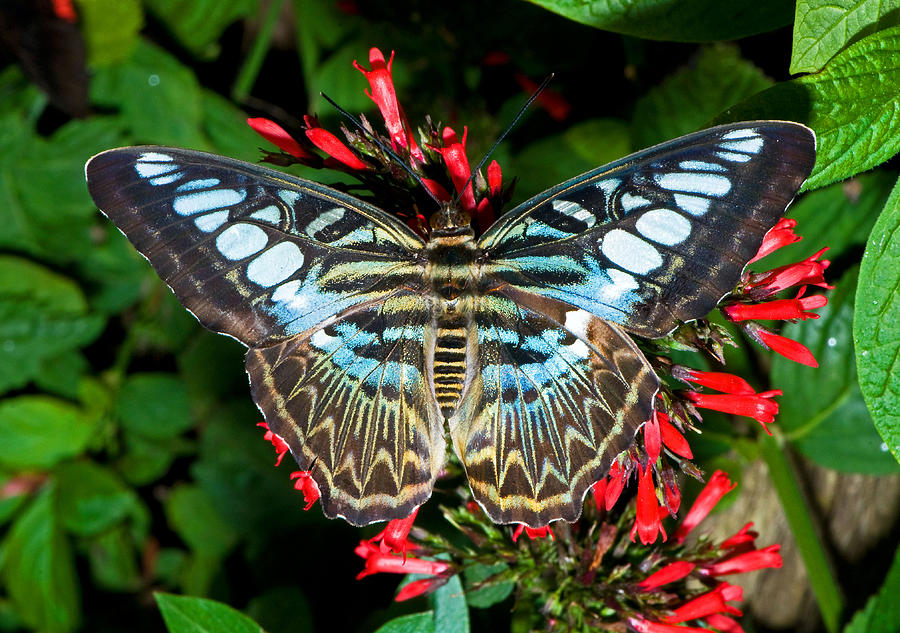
[367, 344]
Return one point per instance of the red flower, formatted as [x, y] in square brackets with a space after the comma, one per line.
[64, 10]
[419, 587]
[716, 488]
[723, 623]
[652, 437]
[673, 498]
[647, 523]
[385, 97]
[533, 533]
[553, 102]
[673, 440]
[616, 477]
[780, 309]
[281, 447]
[277, 135]
[757, 406]
[720, 381]
[669, 573]
[741, 539]
[788, 348]
[808, 271]
[707, 604]
[778, 236]
[748, 561]
[333, 146]
[394, 536]
[307, 485]
[599, 492]
[639, 624]
[454, 154]
[379, 562]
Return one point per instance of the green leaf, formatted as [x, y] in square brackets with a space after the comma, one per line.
[481, 591]
[62, 374]
[824, 27]
[158, 98]
[268, 609]
[39, 570]
[39, 431]
[839, 216]
[677, 20]
[863, 131]
[12, 500]
[115, 273]
[412, 623]
[146, 460]
[113, 557]
[197, 520]
[184, 614]
[227, 129]
[110, 28]
[451, 614]
[155, 406]
[876, 331]
[582, 147]
[19, 96]
[822, 411]
[717, 79]
[93, 499]
[198, 24]
[882, 612]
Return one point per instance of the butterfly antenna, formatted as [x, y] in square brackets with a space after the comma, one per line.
[399, 161]
[509, 128]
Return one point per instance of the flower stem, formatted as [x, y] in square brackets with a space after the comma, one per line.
[250, 68]
[806, 533]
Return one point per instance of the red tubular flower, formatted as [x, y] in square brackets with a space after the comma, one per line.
[599, 492]
[780, 309]
[758, 406]
[553, 102]
[652, 437]
[454, 154]
[778, 236]
[673, 498]
[64, 10]
[669, 573]
[281, 447]
[743, 537]
[788, 348]
[394, 536]
[720, 381]
[533, 533]
[279, 137]
[706, 604]
[333, 146]
[419, 587]
[716, 488]
[809, 271]
[385, 97]
[379, 562]
[641, 625]
[748, 561]
[647, 523]
[495, 178]
[673, 440]
[307, 485]
[723, 623]
[616, 484]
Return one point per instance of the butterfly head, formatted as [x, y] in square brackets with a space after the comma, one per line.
[450, 220]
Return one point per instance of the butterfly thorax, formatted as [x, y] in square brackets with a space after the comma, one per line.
[451, 273]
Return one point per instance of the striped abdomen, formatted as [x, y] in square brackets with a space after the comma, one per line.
[450, 360]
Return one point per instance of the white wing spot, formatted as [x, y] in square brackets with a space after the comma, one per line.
[155, 157]
[241, 240]
[609, 185]
[708, 184]
[577, 322]
[663, 226]
[574, 210]
[166, 180]
[289, 196]
[748, 146]
[743, 133]
[630, 252]
[148, 170]
[735, 158]
[193, 185]
[191, 203]
[699, 165]
[211, 221]
[324, 220]
[275, 264]
[270, 214]
[695, 205]
[630, 201]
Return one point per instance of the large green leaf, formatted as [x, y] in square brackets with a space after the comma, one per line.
[876, 331]
[42, 315]
[824, 27]
[677, 20]
[39, 431]
[155, 406]
[717, 79]
[482, 590]
[882, 612]
[110, 28]
[822, 410]
[39, 570]
[93, 499]
[198, 24]
[851, 105]
[451, 614]
[113, 557]
[412, 623]
[186, 614]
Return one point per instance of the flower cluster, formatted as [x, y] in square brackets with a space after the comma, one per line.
[668, 583]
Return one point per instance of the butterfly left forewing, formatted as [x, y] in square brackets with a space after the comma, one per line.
[658, 237]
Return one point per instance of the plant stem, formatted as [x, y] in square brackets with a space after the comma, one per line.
[806, 533]
[250, 68]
